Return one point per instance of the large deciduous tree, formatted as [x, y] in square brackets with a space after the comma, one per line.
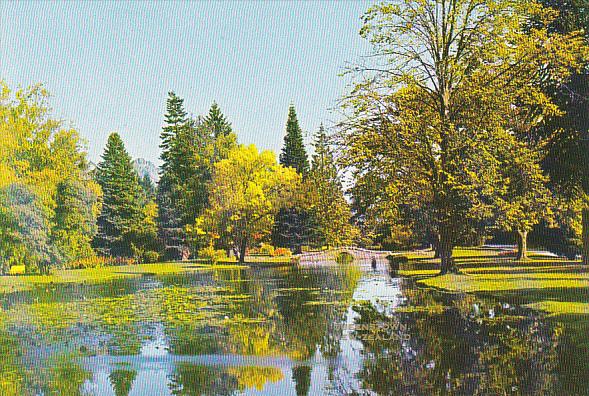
[49, 201]
[433, 110]
[567, 154]
[247, 190]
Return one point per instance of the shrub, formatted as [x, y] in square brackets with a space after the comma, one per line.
[396, 261]
[266, 249]
[212, 254]
[344, 258]
[99, 261]
[151, 256]
[17, 270]
[282, 252]
[88, 262]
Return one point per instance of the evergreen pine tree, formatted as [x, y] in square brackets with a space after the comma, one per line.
[121, 210]
[293, 153]
[216, 122]
[330, 213]
[291, 227]
[147, 186]
[175, 168]
[176, 119]
[190, 147]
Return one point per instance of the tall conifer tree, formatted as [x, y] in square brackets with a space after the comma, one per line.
[329, 210]
[216, 122]
[121, 210]
[292, 228]
[294, 153]
[175, 145]
[176, 119]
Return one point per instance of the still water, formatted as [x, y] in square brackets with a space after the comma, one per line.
[326, 329]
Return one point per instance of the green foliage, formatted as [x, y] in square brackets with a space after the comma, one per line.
[190, 149]
[292, 227]
[25, 230]
[247, 190]
[151, 256]
[216, 122]
[48, 203]
[567, 132]
[326, 203]
[99, 262]
[77, 207]
[429, 124]
[121, 211]
[344, 258]
[293, 153]
[211, 254]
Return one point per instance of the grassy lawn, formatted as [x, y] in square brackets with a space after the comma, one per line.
[27, 282]
[556, 286]
[12, 283]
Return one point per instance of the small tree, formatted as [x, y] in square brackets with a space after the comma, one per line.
[523, 199]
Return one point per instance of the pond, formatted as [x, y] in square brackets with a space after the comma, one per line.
[326, 329]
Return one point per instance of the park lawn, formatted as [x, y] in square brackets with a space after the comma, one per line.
[11, 283]
[555, 286]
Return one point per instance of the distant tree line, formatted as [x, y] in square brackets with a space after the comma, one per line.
[56, 208]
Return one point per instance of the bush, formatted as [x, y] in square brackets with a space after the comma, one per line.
[266, 249]
[344, 258]
[17, 270]
[212, 254]
[285, 252]
[151, 256]
[98, 261]
[396, 261]
[88, 262]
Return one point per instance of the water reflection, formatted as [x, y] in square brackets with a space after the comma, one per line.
[340, 329]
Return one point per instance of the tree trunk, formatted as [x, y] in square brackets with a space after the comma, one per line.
[522, 245]
[586, 236]
[436, 246]
[242, 250]
[445, 248]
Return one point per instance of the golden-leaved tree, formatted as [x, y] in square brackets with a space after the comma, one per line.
[247, 190]
[448, 90]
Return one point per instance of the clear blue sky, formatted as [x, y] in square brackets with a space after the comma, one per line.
[110, 65]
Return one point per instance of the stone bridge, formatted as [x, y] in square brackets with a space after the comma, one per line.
[360, 255]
